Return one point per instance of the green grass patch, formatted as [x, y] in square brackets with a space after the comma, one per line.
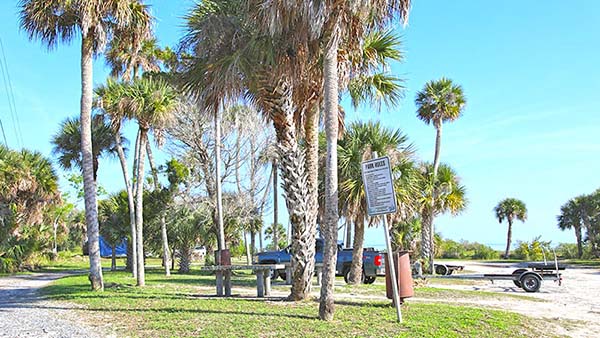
[183, 306]
[582, 262]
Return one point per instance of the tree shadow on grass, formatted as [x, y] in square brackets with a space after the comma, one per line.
[170, 310]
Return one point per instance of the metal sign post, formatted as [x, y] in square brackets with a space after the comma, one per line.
[381, 200]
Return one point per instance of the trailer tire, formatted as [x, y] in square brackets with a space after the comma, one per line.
[518, 272]
[441, 269]
[531, 282]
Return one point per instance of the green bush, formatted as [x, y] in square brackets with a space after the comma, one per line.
[465, 250]
[566, 250]
[533, 250]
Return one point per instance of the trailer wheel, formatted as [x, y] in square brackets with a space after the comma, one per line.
[518, 272]
[441, 269]
[531, 283]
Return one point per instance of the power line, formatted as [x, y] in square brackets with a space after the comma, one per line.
[11, 98]
[3, 134]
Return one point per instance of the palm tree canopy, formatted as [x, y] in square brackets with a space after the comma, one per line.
[371, 82]
[511, 209]
[113, 214]
[446, 194]
[360, 141]
[440, 101]
[570, 215]
[67, 142]
[59, 20]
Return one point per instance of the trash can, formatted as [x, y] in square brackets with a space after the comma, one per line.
[404, 276]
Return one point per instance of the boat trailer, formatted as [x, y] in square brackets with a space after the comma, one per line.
[529, 279]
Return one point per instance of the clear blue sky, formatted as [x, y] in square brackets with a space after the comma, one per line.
[529, 69]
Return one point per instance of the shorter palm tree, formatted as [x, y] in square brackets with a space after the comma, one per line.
[113, 216]
[67, 143]
[570, 218]
[439, 194]
[510, 209]
[279, 232]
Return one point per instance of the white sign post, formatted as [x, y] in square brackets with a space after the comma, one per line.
[381, 200]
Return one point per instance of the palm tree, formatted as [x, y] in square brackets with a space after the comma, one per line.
[440, 101]
[334, 30]
[445, 194]
[360, 140]
[255, 67]
[151, 103]
[570, 218]
[276, 231]
[510, 209]
[109, 99]
[67, 143]
[95, 20]
[113, 214]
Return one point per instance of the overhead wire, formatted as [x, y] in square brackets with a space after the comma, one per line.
[10, 97]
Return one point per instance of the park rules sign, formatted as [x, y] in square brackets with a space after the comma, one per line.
[379, 186]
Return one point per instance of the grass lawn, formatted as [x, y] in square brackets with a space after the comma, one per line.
[184, 306]
[582, 262]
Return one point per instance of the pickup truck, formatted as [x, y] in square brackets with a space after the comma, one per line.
[373, 261]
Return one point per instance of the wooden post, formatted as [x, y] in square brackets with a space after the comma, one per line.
[267, 282]
[219, 274]
[227, 283]
[260, 283]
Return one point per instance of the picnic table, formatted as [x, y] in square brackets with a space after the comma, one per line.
[288, 273]
[262, 271]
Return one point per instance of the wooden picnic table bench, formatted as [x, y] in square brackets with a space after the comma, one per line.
[288, 273]
[262, 271]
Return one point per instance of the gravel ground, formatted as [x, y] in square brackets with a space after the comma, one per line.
[23, 313]
[574, 306]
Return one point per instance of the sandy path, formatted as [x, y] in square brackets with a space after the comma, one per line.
[24, 313]
[576, 300]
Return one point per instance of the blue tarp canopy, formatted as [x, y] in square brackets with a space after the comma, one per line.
[106, 249]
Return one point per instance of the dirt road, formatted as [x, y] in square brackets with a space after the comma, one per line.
[24, 313]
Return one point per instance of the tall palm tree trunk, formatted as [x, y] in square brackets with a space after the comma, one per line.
[89, 184]
[130, 202]
[429, 224]
[348, 233]
[426, 242]
[329, 226]
[275, 206]
[357, 252]
[139, 208]
[219, 201]
[163, 222]
[508, 238]
[279, 101]
[438, 145]
[579, 242]
[311, 131]
[113, 258]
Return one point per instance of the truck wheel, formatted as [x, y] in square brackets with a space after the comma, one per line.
[518, 272]
[441, 269]
[370, 279]
[531, 283]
